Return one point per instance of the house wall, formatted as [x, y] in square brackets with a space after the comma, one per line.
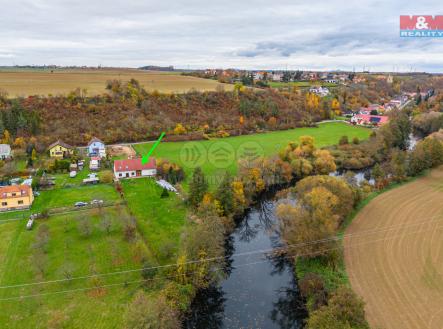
[57, 151]
[149, 172]
[133, 174]
[96, 145]
[14, 203]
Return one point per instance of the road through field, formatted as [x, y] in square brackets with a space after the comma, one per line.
[394, 255]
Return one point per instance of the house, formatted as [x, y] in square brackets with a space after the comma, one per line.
[132, 168]
[367, 119]
[5, 151]
[94, 163]
[16, 197]
[59, 149]
[96, 148]
[320, 91]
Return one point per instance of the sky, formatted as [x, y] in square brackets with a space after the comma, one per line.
[248, 34]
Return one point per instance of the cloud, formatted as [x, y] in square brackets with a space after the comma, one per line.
[250, 34]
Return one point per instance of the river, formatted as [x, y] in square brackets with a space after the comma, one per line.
[260, 290]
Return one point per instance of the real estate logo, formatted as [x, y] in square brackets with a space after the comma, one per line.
[421, 26]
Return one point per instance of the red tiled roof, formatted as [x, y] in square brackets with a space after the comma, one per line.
[133, 164]
[15, 189]
[367, 117]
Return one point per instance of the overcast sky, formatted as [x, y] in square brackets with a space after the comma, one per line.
[273, 34]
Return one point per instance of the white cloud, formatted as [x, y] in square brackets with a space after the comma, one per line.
[246, 34]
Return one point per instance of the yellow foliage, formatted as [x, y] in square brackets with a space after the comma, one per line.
[179, 129]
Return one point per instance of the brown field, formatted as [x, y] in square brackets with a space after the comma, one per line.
[43, 82]
[394, 257]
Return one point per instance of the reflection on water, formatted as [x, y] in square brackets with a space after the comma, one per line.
[260, 290]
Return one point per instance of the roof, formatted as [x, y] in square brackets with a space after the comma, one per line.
[95, 139]
[133, 164]
[5, 148]
[61, 143]
[15, 188]
[373, 118]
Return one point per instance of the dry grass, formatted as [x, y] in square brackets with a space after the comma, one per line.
[398, 267]
[44, 82]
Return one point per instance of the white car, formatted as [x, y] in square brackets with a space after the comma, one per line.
[72, 174]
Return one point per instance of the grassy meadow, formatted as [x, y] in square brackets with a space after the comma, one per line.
[267, 144]
[43, 82]
[85, 303]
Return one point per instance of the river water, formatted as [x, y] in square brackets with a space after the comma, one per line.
[260, 290]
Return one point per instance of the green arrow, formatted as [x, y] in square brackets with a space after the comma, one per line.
[145, 158]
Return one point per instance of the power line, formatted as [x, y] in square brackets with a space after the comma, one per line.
[248, 253]
[177, 275]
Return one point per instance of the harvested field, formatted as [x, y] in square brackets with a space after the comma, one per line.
[44, 82]
[394, 255]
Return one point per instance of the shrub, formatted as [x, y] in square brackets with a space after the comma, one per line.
[106, 177]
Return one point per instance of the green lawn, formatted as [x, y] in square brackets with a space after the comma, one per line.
[271, 143]
[100, 252]
[160, 221]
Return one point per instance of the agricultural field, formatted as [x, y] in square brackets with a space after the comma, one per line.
[266, 144]
[43, 82]
[81, 244]
[393, 255]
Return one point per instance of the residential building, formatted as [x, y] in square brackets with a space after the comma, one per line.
[96, 148]
[369, 120]
[132, 168]
[60, 150]
[15, 197]
[321, 91]
[5, 151]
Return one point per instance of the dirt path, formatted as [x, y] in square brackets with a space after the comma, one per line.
[394, 257]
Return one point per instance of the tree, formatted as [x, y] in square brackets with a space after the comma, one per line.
[147, 313]
[225, 194]
[335, 106]
[106, 177]
[85, 227]
[179, 129]
[324, 162]
[197, 187]
[6, 137]
[343, 140]
[106, 224]
[344, 311]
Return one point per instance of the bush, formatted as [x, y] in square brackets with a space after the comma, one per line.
[151, 313]
[343, 140]
[344, 310]
[106, 177]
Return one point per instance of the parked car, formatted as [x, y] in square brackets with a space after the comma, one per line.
[80, 204]
[97, 202]
[72, 174]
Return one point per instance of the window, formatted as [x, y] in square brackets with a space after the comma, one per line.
[120, 175]
[4, 203]
[133, 173]
[20, 201]
[14, 194]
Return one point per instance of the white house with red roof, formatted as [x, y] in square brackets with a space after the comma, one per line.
[133, 168]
